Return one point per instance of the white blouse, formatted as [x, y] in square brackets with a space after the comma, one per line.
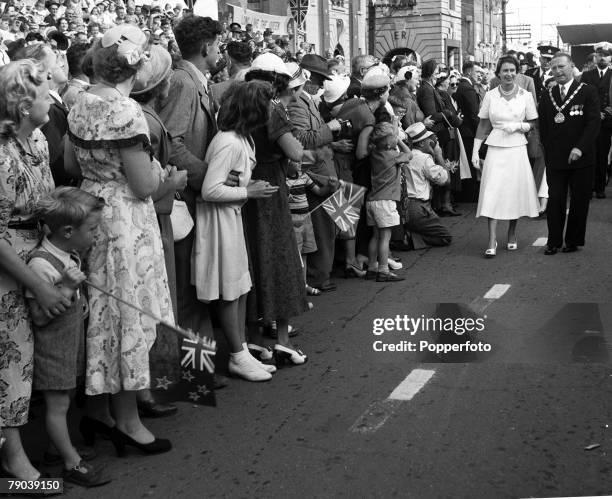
[501, 111]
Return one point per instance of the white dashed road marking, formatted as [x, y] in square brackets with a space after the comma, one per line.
[540, 241]
[496, 292]
[376, 415]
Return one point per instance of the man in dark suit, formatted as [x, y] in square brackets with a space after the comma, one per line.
[538, 73]
[569, 123]
[601, 78]
[313, 133]
[468, 103]
[359, 67]
[189, 116]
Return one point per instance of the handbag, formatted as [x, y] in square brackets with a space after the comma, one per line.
[182, 222]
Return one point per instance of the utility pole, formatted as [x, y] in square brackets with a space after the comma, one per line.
[504, 39]
[371, 27]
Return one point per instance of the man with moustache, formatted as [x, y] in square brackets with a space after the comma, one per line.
[569, 118]
[601, 77]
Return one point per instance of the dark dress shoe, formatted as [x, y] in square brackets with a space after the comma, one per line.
[370, 274]
[569, 248]
[388, 277]
[152, 409]
[326, 287]
[551, 250]
[448, 212]
[600, 195]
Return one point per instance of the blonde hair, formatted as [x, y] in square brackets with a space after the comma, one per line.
[67, 206]
[19, 81]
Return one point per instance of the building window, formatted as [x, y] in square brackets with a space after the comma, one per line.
[451, 5]
[338, 3]
[478, 32]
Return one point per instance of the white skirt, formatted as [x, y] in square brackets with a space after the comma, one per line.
[507, 187]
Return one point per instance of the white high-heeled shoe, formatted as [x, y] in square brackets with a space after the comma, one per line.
[284, 354]
[491, 252]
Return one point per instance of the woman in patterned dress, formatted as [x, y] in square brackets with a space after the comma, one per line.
[112, 149]
[24, 178]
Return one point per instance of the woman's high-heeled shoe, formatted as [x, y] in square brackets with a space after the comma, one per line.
[260, 353]
[287, 355]
[89, 427]
[120, 440]
[491, 252]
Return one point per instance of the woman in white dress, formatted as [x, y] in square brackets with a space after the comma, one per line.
[507, 189]
[220, 261]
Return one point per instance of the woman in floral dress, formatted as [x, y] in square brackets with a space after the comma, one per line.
[25, 177]
[127, 258]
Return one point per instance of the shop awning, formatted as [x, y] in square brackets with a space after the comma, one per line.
[583, 34]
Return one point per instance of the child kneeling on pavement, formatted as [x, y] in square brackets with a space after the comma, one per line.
[423, 226]
[381, 203]
[71, 216]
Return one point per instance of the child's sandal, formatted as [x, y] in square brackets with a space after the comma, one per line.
[310, 291]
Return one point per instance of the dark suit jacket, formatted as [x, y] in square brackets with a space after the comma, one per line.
[312, 132]
[191, 123]
[603, 85]
[54, 131]
[354, 88]
[538, 80]
[431, 103]
[578, 131]
[468, 102]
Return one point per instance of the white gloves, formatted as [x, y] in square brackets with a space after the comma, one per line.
[475, 156]
[516, 127]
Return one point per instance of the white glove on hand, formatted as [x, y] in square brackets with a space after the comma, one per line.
[511, 127]
[475, 155]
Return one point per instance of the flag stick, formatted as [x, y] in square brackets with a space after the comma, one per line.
[179, 330]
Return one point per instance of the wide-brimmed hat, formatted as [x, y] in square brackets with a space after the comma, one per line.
[297, 74]
[269, 62]
[418, 132]
[335, 88]
[235, 28]
[155, 70]
[130, 40]
[315, 64]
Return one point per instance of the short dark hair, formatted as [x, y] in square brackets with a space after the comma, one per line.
[240, 52]
[245, 107]
[111, 67]
[428, 68]
[507, 59]
[192, 32]
[34, 37]
[68, 206]
[279, 82]
[467, 66]
[75, 55]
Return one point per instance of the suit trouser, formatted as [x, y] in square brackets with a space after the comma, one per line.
[192, 313]
[602, 146]
[423, 222]
[320, 263]
[579, 183]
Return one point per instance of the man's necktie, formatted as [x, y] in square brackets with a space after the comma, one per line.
[600, 73]
[562, 90]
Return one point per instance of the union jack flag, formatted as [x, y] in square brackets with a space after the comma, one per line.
[343, 206]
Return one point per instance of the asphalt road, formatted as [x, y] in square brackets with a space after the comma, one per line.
[512, 422]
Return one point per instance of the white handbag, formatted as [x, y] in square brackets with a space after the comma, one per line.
[182, 222]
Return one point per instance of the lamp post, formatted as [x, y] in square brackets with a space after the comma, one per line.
[504, 3]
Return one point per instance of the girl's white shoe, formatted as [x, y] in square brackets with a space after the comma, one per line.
[243, 365]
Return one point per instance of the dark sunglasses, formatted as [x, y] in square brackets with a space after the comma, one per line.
[453, 85]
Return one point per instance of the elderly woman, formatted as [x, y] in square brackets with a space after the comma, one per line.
[507, 188]
[127, 258]
[278, 287]
[25, 177]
